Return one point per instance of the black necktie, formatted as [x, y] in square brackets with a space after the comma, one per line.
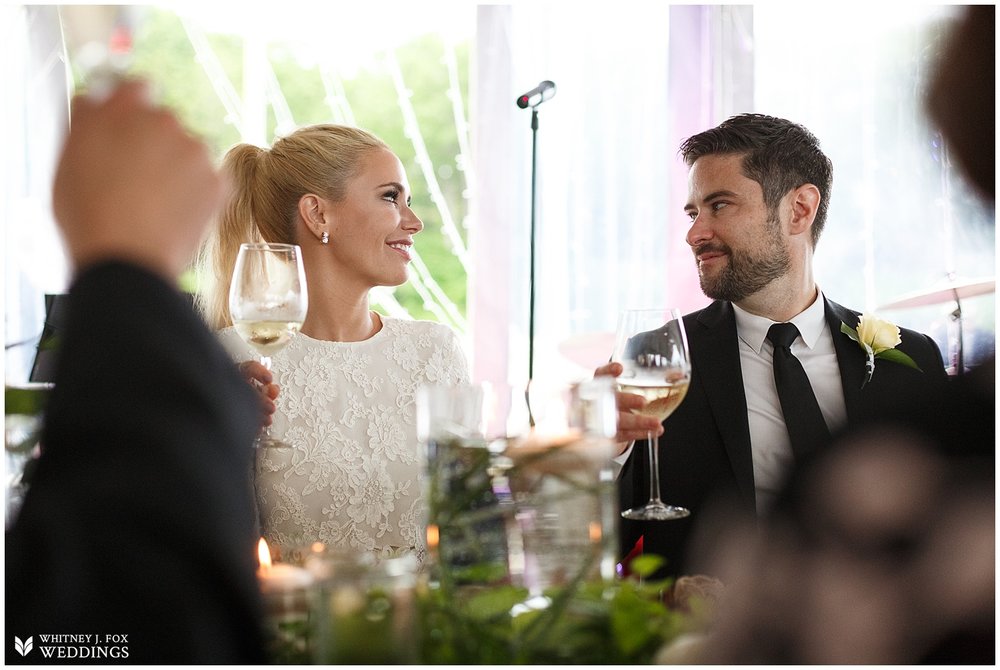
[803, 418]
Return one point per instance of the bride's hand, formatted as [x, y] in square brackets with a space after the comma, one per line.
[262, 381]
[631, 426]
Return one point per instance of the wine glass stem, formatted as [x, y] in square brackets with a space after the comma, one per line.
[654, 470]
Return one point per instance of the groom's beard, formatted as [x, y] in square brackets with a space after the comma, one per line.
[746, 272]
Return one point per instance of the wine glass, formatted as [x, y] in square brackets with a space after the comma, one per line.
[99, 43]
[652, 347]
[268, 302]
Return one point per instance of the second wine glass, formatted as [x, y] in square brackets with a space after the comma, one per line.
[268, 303]
[652, 347]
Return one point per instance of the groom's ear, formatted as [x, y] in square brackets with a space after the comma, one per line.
[805, 203]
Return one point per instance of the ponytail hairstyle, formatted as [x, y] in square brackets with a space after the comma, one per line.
[265, 188]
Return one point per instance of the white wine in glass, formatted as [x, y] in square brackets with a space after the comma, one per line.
[268, 303]
[651, 346]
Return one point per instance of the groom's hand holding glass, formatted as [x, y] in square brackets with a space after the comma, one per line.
[652, 347]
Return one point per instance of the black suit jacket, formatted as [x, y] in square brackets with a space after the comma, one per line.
[705, 458]
[139, 519]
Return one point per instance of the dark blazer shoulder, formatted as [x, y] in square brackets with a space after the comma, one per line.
[144, 471]
[892, 383]
[920, 347]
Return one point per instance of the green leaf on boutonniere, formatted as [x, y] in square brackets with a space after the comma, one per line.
[897, 356]
[850, 332]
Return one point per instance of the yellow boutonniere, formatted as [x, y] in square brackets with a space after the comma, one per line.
[878, 338]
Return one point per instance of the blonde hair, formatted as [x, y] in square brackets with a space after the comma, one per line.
[265, 188]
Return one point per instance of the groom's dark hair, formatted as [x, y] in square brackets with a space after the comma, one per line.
[777, 154]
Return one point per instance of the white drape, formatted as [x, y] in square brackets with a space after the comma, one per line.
[633, 80]
[35, 118]
[602, 198]
[901, 215]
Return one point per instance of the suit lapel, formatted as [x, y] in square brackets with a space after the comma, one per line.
[715, 355]
[850, 357]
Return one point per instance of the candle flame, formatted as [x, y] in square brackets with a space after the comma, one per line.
[263, 555]
[433, 536]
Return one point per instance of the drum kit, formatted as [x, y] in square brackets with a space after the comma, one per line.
[950, 290]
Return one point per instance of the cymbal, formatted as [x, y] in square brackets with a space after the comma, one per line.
[946, 292]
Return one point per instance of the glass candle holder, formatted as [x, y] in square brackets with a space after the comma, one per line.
[519, 488]
[559, 477]
[288, 594]
[364, 610]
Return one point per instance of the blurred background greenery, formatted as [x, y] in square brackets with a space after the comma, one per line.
[164, 51]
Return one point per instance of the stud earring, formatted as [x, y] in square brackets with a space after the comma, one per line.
[324, 238]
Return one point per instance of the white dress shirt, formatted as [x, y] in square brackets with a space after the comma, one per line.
[770, 447]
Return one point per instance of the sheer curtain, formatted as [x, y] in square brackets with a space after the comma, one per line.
[901, 216]
[35, 113]
[632, 82]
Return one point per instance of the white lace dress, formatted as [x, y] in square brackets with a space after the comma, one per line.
[352, 478]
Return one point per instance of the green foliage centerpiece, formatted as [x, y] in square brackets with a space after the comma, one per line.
[521, 535]
[522, 539]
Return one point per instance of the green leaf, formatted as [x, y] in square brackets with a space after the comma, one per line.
[647, 564]
[897, 356]
[27, 401]
[491, 603]
[636, 621]
[850, 332]
[525, 621]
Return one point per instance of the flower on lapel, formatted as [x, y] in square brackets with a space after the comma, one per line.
[878, 339]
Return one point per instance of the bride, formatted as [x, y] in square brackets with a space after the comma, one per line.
[348, 380]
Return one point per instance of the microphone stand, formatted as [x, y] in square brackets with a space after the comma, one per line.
[545, 90]
[531, 270]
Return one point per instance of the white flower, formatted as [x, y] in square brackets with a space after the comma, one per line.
[878, 339]
[877, 333]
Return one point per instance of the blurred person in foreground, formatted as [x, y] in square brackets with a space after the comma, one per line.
[882, 550]
[138, 523]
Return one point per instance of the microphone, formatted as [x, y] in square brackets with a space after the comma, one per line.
[537, 95]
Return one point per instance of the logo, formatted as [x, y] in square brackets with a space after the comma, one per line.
[22, 647]
[75, 645]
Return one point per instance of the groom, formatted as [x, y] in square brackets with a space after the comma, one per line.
[758, 193]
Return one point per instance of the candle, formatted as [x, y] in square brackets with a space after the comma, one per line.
[285, 589]
[278, 578]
